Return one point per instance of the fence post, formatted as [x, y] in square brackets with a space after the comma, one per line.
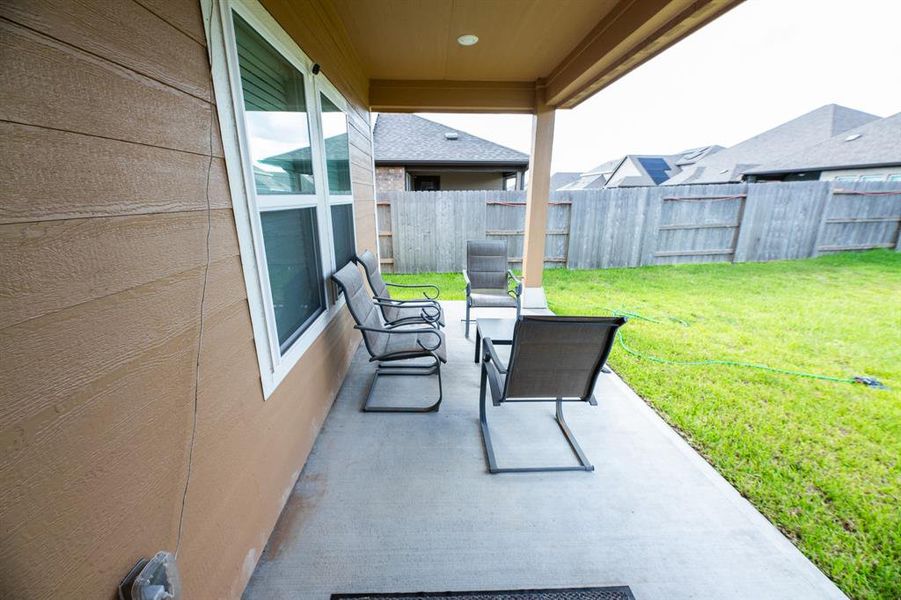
[746, 225]
[823, 216]
[649, 229]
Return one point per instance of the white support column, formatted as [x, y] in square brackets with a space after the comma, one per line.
[539, 192]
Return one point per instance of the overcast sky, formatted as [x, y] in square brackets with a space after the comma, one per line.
[761, 64]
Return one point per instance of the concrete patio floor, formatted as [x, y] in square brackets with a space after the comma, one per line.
[404, 503]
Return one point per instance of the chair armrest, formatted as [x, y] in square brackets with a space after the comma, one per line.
[517, 291]
[430, 315]
[468, 282]
[430, 330]
[413, 303]
[418, 285]
[492, 356]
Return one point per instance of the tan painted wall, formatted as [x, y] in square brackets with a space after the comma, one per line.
[106, 122]
[451, 181]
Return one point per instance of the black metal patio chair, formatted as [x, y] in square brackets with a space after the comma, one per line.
[488, 280]
[552, 359]
[401, 312]
[390, 344]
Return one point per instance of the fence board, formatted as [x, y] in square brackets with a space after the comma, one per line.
[625, 227]
[784, 219]
[860, 215]
[698, 223]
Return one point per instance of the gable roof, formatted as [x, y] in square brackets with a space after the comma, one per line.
[560, 179]
[875, 144]
[693, 155]
[406, 139]
[641, 170]
[772, 145]
[588, 181]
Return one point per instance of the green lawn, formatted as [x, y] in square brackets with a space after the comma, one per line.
[820, 459]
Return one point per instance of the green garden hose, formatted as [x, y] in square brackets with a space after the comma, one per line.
[868, 381]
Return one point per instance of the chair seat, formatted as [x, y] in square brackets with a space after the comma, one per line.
[403, 312]
[491, 299]
[406, 345]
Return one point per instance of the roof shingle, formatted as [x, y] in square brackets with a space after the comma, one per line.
[772, 145]
[409, 139]
[875, 144]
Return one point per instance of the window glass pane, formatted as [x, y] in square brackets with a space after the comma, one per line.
[275, 112]
[343, 232]
[291, 240]
[337, 154]
[872, 177]
[894, 177]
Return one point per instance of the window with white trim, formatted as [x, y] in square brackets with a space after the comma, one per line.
[294, 156]
[337, 166]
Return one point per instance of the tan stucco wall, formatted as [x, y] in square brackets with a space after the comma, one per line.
[106, 287]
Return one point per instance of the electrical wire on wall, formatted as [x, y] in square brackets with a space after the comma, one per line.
[206, 272]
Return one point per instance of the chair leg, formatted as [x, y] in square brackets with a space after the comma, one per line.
[467, 320]
[584, 465]
[405, 371]
[583, 460]
[483, 421]
[478, 351]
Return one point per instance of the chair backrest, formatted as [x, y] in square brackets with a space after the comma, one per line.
[558, 357]
[371, 266]
[486, 264]
[362, 309]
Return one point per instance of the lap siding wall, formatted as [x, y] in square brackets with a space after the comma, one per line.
[112, 176]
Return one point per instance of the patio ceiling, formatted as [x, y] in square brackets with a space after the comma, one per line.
[572, 48]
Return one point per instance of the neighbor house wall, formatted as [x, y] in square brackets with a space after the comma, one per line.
[470, 181]
[124, 335]
[390, 179]
[883, 171]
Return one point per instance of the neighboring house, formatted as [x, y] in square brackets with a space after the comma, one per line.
[780, 142]
[637, 170]
[642, 170]
[871, 152]
[558, 180]
[412, 153]
[594, 178]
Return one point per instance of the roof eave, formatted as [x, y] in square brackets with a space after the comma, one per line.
[823, 168]
[451, 163]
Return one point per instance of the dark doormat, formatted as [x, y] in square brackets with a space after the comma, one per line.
[601, 593]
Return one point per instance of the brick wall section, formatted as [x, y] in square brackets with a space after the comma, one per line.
[390, 179]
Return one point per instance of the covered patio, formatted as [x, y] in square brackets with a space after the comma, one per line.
[404, 502]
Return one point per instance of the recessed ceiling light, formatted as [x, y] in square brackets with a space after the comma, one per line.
[468, 39]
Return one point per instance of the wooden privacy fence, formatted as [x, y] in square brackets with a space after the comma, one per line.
[630, 227]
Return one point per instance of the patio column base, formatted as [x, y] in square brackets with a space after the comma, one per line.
[533, 297]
